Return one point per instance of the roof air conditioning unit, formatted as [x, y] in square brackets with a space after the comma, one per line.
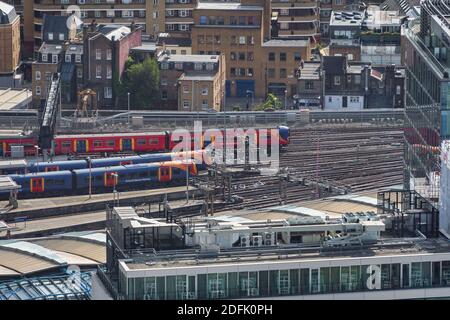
[245, 241]
[257, 241]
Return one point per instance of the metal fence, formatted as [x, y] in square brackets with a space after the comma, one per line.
[117, 121]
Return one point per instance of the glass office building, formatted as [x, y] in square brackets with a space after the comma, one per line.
[426, 44]
[294, 277]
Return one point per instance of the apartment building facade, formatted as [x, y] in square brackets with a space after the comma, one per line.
[9, 41]
[192, 82]
[297, 18]
[119, 12]
[106, 49]
[256, 64]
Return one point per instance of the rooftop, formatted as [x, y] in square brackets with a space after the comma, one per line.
[310, 71]
[383, 18]
[297, 254]
[25, 257]
[198, 76]
[286, 43]
[47, 48]
[118, 32]
[14, 99]
[346, 18]
[188, 58]
[226, 6]
[7, 13]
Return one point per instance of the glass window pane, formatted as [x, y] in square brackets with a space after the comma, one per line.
[334, 279]
[273, 282]
[171, 293]
[283, 283]
[263, 283]
[314, 280]
[324, 280]
[293, 274]
[161, 288]
[445, 273]
[304, 281]
[201, 286]
[426, 274]
[405, 276]
[436, 273]
[395, 275]
[233, 287]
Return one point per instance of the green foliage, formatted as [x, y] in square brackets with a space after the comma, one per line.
[141, 80]
[272, 102]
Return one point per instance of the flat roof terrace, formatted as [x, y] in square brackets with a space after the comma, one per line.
[257, 255]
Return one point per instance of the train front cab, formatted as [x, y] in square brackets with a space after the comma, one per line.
[285, 133]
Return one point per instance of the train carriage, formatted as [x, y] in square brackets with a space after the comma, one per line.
[113, 142]
[44, 183]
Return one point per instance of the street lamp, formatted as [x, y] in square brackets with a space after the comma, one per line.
[285, 99]
[115, 176]
[187, 181]
[250, 94]
[90, 177]
[128, 109]
[37, 157]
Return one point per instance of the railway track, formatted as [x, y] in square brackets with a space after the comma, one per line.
[358, 158]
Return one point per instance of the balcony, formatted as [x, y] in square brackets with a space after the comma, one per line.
[295, 4]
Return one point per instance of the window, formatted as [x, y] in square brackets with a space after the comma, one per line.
[250, 56]
[283, 73]
[186, 104]
[204, 104]
[297, 56]
[38, 75]
[78, 58]
[204, 91]
[164, 95]
[55, 58]
[242, 40]
[50, 36]
[98, 54]
[271, 56]
[109, 54]
[241, 56]
[44, 58]
[185, 89]
[398, 90]
[357, 79]
[309, 85]
[80, 73]
[98, 71]
[232, 55]
[337, 80]
[68, 58]
[250, 72]
[38, 90]
[108, 92]
[271, 73]
[61, 37]
[282, 56]
[108, 72]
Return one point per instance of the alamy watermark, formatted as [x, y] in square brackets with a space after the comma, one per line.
[229, 147]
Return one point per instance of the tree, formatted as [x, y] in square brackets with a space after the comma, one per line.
[272, 102]
[141, 80]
